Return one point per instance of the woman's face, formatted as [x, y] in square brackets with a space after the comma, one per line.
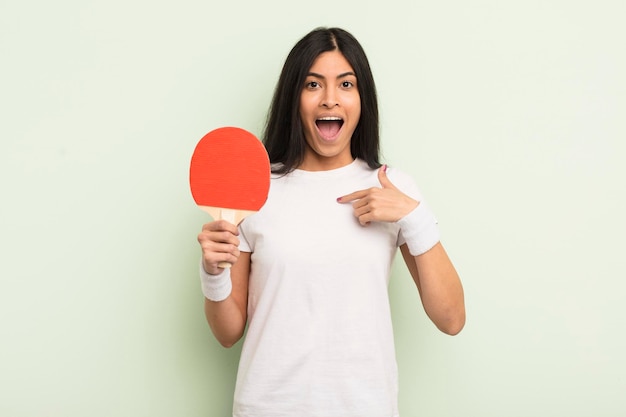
[330, 108]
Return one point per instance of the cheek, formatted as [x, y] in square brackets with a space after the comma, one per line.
[356, 111]
[308, 127]
[305, 111]
[355, 104]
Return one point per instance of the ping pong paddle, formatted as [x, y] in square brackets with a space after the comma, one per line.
[229, 175]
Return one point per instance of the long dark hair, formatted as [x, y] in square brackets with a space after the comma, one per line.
[283, 136]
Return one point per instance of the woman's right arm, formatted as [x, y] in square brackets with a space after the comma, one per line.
[227, 318]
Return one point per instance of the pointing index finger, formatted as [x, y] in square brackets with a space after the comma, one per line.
[352, 196]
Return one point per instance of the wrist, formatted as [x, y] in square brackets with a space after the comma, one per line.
[419, 229]
[215, 287]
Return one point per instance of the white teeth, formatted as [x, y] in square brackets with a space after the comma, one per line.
[329, 118]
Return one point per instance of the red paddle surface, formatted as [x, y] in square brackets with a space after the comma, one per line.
[230, 169]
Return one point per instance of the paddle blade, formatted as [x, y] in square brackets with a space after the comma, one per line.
[230, 169]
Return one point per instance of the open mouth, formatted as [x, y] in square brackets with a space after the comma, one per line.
[329, 127]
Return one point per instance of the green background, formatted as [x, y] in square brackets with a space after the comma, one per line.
[510, 115]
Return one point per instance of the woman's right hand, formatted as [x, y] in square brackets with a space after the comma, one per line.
[219, 243]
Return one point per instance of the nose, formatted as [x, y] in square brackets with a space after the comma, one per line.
[329, 100]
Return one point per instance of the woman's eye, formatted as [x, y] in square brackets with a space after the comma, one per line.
[313, 84]
[347, 84]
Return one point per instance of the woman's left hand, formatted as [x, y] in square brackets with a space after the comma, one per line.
[380, 204]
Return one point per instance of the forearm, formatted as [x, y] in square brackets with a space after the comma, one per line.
[440, 288]
[225, 320]
[226, 313]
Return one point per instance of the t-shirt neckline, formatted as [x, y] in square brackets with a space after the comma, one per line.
[331, 173]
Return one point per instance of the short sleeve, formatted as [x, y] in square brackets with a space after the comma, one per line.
[407, 185]
[244, 244]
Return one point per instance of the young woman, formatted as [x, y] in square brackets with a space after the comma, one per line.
[311, 269]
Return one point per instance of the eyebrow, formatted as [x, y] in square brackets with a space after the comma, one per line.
[342, 75]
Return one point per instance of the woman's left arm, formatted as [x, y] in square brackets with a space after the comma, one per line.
[439, 287]
[436, 278]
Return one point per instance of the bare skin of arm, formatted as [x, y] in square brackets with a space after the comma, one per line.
[227, 318]
[439, 287]
[434, 274]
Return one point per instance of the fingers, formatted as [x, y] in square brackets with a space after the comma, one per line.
[364, 202]
[368, 209]
[379, 204]
[221, 225]
[364, 219]
[357, 195]
[219, 243]
[384, 182]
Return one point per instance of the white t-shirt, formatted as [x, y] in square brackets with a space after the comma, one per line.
[320, 340]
